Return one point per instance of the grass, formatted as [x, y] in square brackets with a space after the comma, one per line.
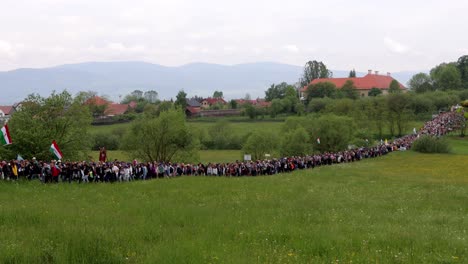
[405, 207]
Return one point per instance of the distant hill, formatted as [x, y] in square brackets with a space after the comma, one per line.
[116, 79]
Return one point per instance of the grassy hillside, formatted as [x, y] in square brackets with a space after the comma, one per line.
[401, 208]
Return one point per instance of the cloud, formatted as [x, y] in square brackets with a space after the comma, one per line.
[291, 48]
[6, 49]
[395, 46]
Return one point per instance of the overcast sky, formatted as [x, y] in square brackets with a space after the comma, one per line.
[386, 35]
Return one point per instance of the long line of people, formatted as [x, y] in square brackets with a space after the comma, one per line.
[118, 171]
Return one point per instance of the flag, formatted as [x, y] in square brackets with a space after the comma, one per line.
[55, 150]
[318, 140]
[19, 158]
[5, 139]
[386, 142]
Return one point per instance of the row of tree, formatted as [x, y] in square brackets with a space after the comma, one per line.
[443, 77]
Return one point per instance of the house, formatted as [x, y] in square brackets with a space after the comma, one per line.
[363, 84]
[111, 109]
[208, 102]
[193, 107]
[6, 112]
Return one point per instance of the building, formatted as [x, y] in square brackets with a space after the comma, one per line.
[208, 102]
[363, 84]
[111, 108]
[6, 112]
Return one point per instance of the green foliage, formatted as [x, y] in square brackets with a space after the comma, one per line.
[181, 99]
[335, 132]
[318, 104]
[429, 144]
[276, 92]
[399, 112]
[462, 66]
[251, 111]
[164, 138]
[41, 120]
[394, 87]
[276, 107]
[295, 143]
[222, 136]
[352, 73]
[349, 90]
[374, 92]
[151, 96]
[422, 105]
[260, 143]
[314, 70]
[233, 104]
[320, 90]
[218, 94]
[446, 77]
[421, 83]
[109, 141]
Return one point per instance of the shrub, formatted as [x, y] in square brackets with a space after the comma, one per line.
[428, 144]
[108, 140]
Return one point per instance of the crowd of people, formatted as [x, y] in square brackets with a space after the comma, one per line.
[118, 171]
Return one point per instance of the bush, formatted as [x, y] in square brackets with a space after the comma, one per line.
[428, 144]
[107, 140]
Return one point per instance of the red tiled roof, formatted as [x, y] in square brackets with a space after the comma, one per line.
[116, 109]
[96, 100]
[212, 101]
[258, 102]
[361, 83]
[6, 109]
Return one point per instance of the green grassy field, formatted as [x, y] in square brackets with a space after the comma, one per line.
[402, 208]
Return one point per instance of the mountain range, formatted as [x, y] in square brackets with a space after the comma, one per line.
[117, 79]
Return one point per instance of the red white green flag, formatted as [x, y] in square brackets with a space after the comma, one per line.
[5, 139]
[55, 150]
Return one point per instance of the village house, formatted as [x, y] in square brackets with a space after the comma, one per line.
[257, 102]
[6, 112]
[209, 102]
[363, 84]
[111, 108]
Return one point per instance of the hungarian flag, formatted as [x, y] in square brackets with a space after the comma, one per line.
[5, 139]
[55, 150]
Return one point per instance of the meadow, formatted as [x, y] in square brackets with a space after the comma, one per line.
[401, 208]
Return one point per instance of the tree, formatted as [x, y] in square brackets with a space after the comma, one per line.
[295, 143]
[314, 70]
[233, 104]
[164, 138]
[420, 83]
[352, 73]
[181, 99]
[276, 107]
[349, 90]
[335, 132]
[320, 90]
[462, 65]
[41, 120]
[446, 77]
[138, 94]
[374, 92]
[151, 96]
[394, 87]
[399, 112]
[276, 91]
[250, 110]
[218, 94]
[260, 143]
[221, 134]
